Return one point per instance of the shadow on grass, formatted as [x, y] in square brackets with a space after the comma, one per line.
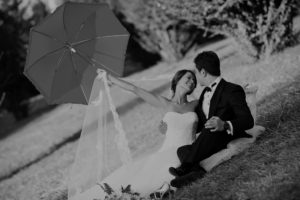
[7, 131]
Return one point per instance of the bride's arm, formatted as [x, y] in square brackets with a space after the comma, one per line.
[151, 98]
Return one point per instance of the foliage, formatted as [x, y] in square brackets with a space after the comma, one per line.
[126, 193]
[154, 30]
[14, 30]
[297, 8]
[259, 27]
[109, 2]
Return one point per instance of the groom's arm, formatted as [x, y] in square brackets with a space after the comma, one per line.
[243, 119]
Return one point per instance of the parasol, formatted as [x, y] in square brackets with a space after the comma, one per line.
[67, 48]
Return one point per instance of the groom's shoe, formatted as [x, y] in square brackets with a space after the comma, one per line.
[180, 171]
[177, 172]
[187, 179]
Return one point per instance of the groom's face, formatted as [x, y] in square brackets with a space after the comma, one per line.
[200, 76]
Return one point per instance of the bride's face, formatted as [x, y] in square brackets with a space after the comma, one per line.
[186, 84]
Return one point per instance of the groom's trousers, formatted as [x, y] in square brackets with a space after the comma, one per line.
[206, 144]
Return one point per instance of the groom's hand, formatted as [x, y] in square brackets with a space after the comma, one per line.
[215, 124]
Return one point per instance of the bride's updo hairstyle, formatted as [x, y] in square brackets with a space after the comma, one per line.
[177, 78]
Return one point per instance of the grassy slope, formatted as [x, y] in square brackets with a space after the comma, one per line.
[269, 110]
[270, 168]
[50, 173]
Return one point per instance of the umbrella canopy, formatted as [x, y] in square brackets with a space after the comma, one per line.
[67, 48]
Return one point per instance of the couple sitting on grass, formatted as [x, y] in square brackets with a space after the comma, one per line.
[195, 130]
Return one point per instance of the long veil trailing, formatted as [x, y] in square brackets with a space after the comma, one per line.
[103, 146]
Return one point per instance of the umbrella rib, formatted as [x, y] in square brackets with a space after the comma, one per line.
[81, 26]
[98, 63]
[83, 58]
[83, 92]
[80, 29]
[60, 59]
[49, 36]
[102, 53]
[98, 37]
[63, 21]
[49, 53]
[91, 61]
[57, 65]
[81, 87]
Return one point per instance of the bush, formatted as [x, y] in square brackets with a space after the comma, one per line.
[259, 27]
[154, 30]
[14, 31]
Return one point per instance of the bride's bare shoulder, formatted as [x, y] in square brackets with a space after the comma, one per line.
[193, 104]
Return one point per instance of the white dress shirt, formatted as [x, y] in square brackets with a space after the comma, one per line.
[207, 99]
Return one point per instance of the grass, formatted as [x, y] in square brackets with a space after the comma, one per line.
[270, 169]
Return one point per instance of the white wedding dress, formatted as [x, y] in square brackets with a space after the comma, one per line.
[149, 173]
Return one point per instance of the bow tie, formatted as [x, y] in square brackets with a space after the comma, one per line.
[209, 89]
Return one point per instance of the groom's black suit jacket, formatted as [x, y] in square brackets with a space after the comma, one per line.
[229, 104]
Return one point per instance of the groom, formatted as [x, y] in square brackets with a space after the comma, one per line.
[223, 116]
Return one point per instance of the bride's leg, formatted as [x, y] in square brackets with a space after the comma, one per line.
[155, 171]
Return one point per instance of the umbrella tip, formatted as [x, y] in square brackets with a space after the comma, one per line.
[70, 47]
[73, 50]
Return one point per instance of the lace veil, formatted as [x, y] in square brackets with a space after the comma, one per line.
[103, 146]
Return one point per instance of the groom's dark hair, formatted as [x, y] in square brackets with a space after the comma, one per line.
[209, 61]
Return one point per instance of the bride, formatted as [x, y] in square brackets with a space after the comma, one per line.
[149, 176]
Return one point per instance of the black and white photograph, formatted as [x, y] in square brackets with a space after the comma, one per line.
[149, 99]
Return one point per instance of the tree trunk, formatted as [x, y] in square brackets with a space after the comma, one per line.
[168, 48]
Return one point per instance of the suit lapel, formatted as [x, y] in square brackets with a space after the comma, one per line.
[215, 98]
[201, 113]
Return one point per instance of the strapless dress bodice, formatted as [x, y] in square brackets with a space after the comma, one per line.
[180, 128]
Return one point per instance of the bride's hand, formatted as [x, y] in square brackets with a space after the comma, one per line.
[163, 127]
[109, 80]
